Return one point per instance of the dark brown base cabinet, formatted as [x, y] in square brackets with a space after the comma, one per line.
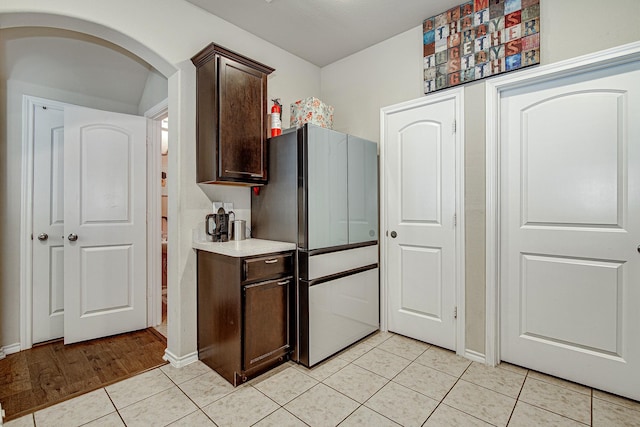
[244, 313]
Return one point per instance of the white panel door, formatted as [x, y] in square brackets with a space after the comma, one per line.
[48, 223]
[421, 261]
[105, 217]
[570, 212]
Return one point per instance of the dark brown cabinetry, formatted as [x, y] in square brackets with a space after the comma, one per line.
[244, 311]
[231, 102]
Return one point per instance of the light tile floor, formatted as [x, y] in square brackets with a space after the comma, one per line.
[386, 380]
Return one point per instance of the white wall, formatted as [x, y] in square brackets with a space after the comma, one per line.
[165, 33]
[155, 91]
[391, 72]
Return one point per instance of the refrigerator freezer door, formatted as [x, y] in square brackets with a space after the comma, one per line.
[341, 312]
[362, 190]
[326, 188]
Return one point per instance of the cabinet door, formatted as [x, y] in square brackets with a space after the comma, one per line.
[242, 128]
[206, 124]
[363, 190]
[327, 188]
[266, 322]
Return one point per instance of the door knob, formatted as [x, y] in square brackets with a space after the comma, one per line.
[394, 234]
[43, 236]
[72, 237]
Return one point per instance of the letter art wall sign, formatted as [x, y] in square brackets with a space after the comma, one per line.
[480, 38]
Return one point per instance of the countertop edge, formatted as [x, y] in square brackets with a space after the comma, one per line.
[242, 248]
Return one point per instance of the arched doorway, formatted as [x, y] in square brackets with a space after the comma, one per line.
[25, 21]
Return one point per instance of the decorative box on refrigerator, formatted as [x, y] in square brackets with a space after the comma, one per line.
[323, 195]
[311, 110]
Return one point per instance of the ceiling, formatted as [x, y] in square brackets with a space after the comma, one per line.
[324, 31]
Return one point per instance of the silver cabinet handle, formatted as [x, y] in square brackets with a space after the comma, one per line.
[283, 283]
[251, 174]
[72, 237]
[394, 234]
[271, 261]
[43, 236]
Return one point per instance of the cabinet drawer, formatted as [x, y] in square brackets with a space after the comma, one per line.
[267, 267]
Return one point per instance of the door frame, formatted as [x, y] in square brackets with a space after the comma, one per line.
[26, 219]
[154, 210]
[494, 90]
[457, 94]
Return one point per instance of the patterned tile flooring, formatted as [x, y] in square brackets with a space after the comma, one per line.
[386, 380]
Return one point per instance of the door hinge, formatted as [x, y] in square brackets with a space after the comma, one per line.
[455, 220]
[453, 127]
[455, 312]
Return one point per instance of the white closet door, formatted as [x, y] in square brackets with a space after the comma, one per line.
[570, 212]
[420, 181]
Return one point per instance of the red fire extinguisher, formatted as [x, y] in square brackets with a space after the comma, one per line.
[276, 118]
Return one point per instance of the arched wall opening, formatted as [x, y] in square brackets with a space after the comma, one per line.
[11, 289]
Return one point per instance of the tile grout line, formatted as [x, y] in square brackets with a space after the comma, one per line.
[375, 373]
[546, 409]
[518, 397]
[114, 406]
[198, 408]
[279, 405]
[359, 404]
[447, 393]
[395, 376]
[430, 367]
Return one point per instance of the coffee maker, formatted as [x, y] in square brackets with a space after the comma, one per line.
[217, 224]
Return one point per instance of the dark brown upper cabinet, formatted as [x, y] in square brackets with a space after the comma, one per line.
[231, 117]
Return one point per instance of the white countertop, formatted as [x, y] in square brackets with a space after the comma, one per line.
[241, 248]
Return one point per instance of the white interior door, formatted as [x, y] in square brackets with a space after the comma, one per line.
[105, 223]
[419, 144]
[48, 222]
[570, 214]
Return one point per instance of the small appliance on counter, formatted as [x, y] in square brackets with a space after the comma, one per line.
[217, 224]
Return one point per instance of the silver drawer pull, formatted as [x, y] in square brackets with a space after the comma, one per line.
[251, 174]
[271, 261]
[283, 283]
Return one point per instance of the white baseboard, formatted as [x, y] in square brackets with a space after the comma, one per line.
[9, 349]
[475, 356]
[179, 362]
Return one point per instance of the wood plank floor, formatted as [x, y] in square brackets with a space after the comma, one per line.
[51, 373]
